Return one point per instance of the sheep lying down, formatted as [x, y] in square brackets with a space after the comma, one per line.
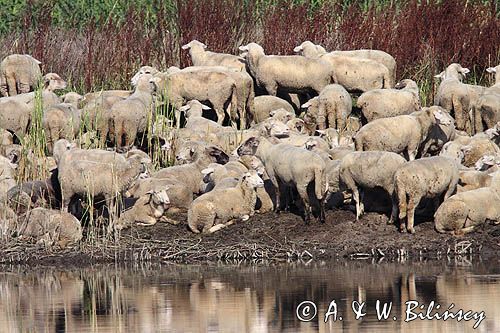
[222, 207]
[465, 211]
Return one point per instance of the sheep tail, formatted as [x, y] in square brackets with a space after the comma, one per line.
[319, 182]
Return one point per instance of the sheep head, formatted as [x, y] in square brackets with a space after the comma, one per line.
[193, 108]
[495, 71]
[249, 147]
[194, 44]
[309, 49]
[252, 179]
[143, 70]
[53, 81]
[298, 125]
[454, 70]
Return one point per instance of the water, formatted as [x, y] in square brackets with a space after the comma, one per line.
[244, 298]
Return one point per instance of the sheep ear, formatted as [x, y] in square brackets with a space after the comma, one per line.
[207, 171]
[297, 49]
[465, 71]
[204, 107]
[491, 70]
[321, 132]
[186, 47]
[243, 48]
[440, 75]
[204, 45]
[184, 108]
[306, 105]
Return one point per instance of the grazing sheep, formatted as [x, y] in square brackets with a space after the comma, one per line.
[19, 73]
[428, 177]
[486, 110]
[245, 94]
[362, 170]
[354, 74]
[220, 208]
[453, 95]
[201, 57]
[129, 118]
[266, 103]
[330, 109]
[384, 103]
[289, 165]
[51, 227]
[60, 121]
[294, 74]
[400, 134]
[146, 211]
[96, 172]
[217, 88]
[464, 212]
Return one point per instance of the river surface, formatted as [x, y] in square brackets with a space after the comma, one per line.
[251, 298]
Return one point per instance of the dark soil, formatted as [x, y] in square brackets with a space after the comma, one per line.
[269, 237]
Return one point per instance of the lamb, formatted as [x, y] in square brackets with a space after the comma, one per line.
[330, 109]
[19, 73]
[265, 104]
[96, 172]
[215, 87]
[401, 133]
[428, 177]
[245, 94]
[291, 73]
[453, 95]
[473, 179]
[215, 173]
[195, 121]
[130, 117]
[51, 227]
[362, 170]
[486, 110]
[201, 57]
[217, 209]
[354, 74]
[61, 121]
[384, 103]
[464, 212]
[146, 211]
[289, 165]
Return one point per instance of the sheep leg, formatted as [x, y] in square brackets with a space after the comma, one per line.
[361, 204]
[302, 189]
[394, 212]
[221, 115]
[355, 196]
[411, 154]
[4, 89]
[274, 181]
[220, 226]
[177, 118]
[168, 220]
[12, 84]
[412, 202]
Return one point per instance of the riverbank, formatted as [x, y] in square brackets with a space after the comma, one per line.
[268, 237]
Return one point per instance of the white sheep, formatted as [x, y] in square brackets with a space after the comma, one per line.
[330, 109]
[464, 212]
[400, 134]
[146, 211]
[486, 110]
[220, 208]
[354, 74]
[383, 103]
[367, 170]
[429, 177]
[201, 57]
[291, 73]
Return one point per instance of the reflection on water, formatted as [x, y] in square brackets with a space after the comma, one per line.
[188, 298]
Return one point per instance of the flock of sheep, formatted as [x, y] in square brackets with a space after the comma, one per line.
[290, 141]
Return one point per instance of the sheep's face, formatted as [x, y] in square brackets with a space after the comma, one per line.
[53, 82]
[248, 147]
[282, 115]
[330, 135]
[143, 70]
[277, 129]
[159, 198]
[217, 154]
[453, 150]
[297, 125]
[252, 48]
[486, 162]
[454, 71]
[193, 109]
[253, 179]
[185, 155]
[305, 45]
[441, 116]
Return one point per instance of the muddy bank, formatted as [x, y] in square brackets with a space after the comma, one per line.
[269, 237]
